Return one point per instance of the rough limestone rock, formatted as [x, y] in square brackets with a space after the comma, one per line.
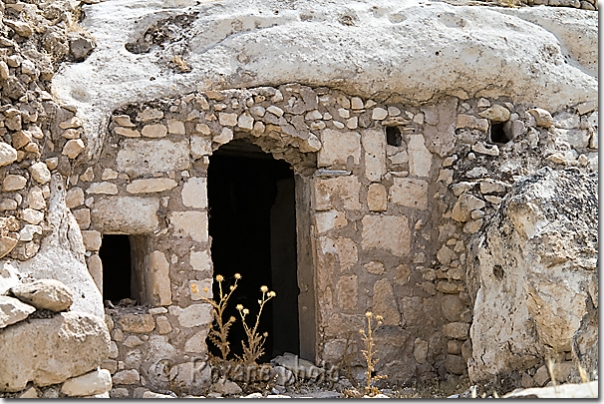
[50, 351]
[47, 294]
[61, 255]
[13, 310]
[570, 390]
[95, 382]
[439, 49]
[534, 272]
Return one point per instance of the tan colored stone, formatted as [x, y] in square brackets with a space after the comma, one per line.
[176, 127]
[420, 350]
[225, 136]
[102, 188]
[409, 192]
[542, 117]
[447, 287]
[193, 315]
[379, 114]
[384, 303]
[159, 279]
[30, 393]
[342, 190]
[132, 341]
[456, 331]
[203, 129]
[346, 250]
[454, 346]
[13, 183]
[337, 147]
[92, 240]
[455, 364]
[156, 130]
[420, 158]
[245, 122]
[377, 198]
[35, 198]
[163, 325]
[200, 146]
[126, 215]
[20, 139]
[151, 185]
[203, 287]
[226, 119]
[347, 288]
[386, 233]
[95, 382]
[95, 268]
[140, 157]
[73, 148]
[13, 310]
[375, 267]
[8, 154]
[200, 260]
[40, 172]
[465, 204]
[108, 174]
[374, 143]
[452, 307]
[192, 224]
[129, 376]
[74, 197]
[48, 351]
[82, 216]
[194, 193]
[136, 322]
[150, 114]
[127, 132]
[330, 220]
[471, 122]
[7, 244]
[87, 176]
[496, 113]
[123, 120]
[197, 343]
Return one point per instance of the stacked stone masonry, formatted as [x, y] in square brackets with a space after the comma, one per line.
[390, 223]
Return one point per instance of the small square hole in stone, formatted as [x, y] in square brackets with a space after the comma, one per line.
[498, 134]
[393, 136]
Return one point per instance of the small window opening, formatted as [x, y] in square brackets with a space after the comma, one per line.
[393, 136]
[116, 256]
[498, 133]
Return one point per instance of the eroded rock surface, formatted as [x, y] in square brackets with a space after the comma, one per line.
[49, 351]
[535, 266]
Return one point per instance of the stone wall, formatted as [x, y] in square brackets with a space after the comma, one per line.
[390, 223]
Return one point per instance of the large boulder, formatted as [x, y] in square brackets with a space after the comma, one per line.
[49, 351]
[533, 271]
[376, 48]
[48, 294]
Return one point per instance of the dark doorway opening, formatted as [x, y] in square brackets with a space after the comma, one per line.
[115, 254]
[253, 228]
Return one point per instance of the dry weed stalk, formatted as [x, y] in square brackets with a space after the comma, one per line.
[219, 336]
[369, 354]
[255, 341]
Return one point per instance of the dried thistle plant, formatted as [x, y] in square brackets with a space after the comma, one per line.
[369, 353]
[219, 335]
[254, 350]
